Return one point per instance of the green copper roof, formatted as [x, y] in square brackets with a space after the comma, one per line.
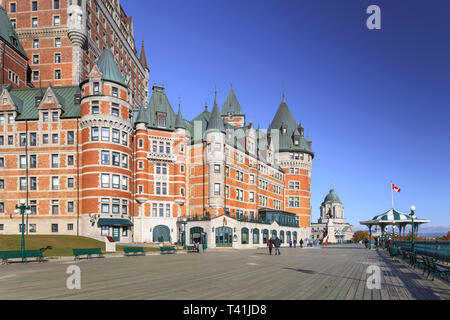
[215, 121]
[284, 118]
[159, 104]
[179, 122]
[231, 105]
[108, 67]
[332, 197]
[8, 33]
[26, 103]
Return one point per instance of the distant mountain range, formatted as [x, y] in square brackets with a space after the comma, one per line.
[427, 231]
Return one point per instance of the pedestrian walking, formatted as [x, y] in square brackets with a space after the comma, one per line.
[295, 244]
[277, 246]
[290, 243]
[270, 245]
[301, 243]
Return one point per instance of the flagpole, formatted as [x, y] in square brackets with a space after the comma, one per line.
[392, 194]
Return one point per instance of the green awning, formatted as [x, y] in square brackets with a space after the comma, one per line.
[114, 222]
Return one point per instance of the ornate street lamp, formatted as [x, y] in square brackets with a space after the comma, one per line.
[412, 216]
[22, 209]
[184, 232]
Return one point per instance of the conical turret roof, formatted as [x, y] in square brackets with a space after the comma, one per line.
[7, 32]
[109, 69]
[231, 104]
[143, 58]
[179, 123]
[215, 121]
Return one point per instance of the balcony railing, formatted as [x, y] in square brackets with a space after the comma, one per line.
[160, 156]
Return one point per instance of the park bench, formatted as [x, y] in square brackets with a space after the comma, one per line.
[133, 251]
[6, 255]
[165, 250]
[87, 252]
[393, 251]
[192, 249]
[417, 261]
[434, 268]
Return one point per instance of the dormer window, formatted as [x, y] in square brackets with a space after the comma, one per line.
[161, 119]
[38, 101]
[77, 98]
[284, 129]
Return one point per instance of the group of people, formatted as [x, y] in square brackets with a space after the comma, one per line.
[277, 244]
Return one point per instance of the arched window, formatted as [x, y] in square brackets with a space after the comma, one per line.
[244, 236]
[282, 236]
[255, 236]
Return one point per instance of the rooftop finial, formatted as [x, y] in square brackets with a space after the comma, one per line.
[215, 91]
[231, 84]
[283, 93]
[206, 106]
[179, 102]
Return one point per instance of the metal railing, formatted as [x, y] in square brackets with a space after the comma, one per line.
[438, 249]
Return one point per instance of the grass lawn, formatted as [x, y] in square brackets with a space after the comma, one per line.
[61, 245]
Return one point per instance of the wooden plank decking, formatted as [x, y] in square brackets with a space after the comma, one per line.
[329, 273]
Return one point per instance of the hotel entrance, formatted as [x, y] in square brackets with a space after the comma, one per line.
[224, 237]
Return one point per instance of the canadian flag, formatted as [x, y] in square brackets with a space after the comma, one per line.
[397, 189]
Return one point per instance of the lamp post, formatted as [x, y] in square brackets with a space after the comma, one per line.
[22, 209]
[184, 232]
[413, 216]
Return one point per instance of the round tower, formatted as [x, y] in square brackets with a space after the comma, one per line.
[77, 32]
[106, 131]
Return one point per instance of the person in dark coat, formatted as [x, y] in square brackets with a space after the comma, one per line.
[295, 244]
[270, 245]
[301, 243]
[277, 246]
[290, 243]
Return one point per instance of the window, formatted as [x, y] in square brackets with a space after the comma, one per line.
[96, 88]
[94, 134]
[105, 231]
[217, 168]
[55, 161]
[54, 228]
[124, 183]
[55, 138]
[115, 206]
[57, 74]
[45, 138]
[70, 160]
[115, 136]
[124, 138]
[35, 75]
[56, 21]
[10, 140]
[115, 92]
[70, 182]
[34, 6]
[45, 117]
[217, 147]
[12, 7]
[2, 119]
[23, 162]
[217, 189]
[36, 44]
[251, 197]
[57, 57]
[2, 162]
[115, 110]
[167, 210]
[57, 42]
[161, 119]
[34, 22]
[13, 23]
[23, 139]
[23, 183]
[105, 157]
[55, 207]
[95, 107]
[55, 183]
[33, 139]
[105, 180]
[35, 59]
[2, 140]
[33, 161]
[125, 161]
[105, 134]
[167, 147]
[141, 143]
[116, 159]
[70, 137]
[10, 118]
[182, 168]
[2, 184]
[115, 181]
[105, 205]
[70, 227]
[56, 4]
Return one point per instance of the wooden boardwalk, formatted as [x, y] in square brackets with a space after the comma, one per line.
[329, 273]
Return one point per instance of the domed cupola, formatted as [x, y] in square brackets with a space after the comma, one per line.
[332, 197]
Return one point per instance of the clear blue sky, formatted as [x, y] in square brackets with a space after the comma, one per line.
[376, 103]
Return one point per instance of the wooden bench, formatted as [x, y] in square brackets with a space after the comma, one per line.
[434, 268]
[165, 250]
[6, 255]
[87, 252]
[133, 251]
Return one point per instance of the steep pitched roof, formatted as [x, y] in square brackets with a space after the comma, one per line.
[179, 122]
[142, 116]
[231, 104]
[284, 118]
[25, 101]
[143, 58]
[215, 121]
[108, 67]
[8, 34]
[159, 103]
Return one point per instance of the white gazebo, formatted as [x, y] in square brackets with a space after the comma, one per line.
[394, 218]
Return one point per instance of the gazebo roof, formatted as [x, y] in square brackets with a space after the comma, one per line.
[392, 217]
